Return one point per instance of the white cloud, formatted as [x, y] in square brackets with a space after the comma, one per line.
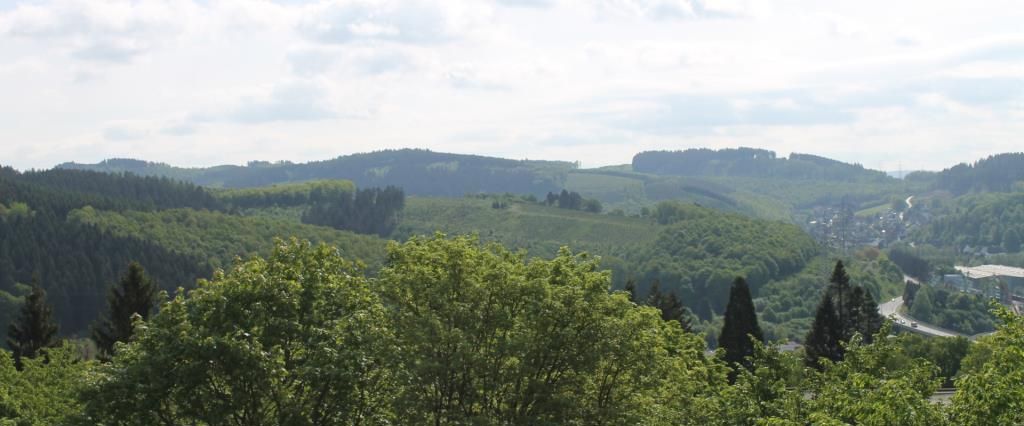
[107, 31]
[593, 80]
[413, 21]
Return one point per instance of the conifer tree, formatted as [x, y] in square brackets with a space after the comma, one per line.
[740, 326]
[867, 320]
[840, 285]
[134, 294]
[34, 330]
[824, 339]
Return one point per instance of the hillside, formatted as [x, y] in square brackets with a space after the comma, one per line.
[419, 172]
[996, 173]
[751, 162]
[993, 221]
[747, 181]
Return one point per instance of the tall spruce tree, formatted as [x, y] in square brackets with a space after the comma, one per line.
[34, 330]
[134, 294]
[823, 340]
[866, 319]
[740, 326]
[840, 286]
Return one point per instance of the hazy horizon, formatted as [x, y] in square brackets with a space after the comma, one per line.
[910, 85]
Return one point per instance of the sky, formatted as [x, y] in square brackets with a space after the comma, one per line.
[888, 84]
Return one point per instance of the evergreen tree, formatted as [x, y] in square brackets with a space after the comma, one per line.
[135, 294]
[34, 330]
[824, 339]
[840, 286]
[868, 321]
[740, 326]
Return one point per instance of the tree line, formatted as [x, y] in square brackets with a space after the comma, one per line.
[366, 211]
[454, 332]
[572, 200]
[751, 162]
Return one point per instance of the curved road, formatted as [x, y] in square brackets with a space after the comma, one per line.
[891, 309]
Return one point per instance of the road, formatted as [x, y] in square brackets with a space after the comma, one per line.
[891, 309]
[910, 205]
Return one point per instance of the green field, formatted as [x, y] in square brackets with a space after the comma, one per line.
[539, 229]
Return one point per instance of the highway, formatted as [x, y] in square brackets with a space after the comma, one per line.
[891, 309]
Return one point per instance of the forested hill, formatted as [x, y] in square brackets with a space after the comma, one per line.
[75, 262]
[418, 172]
[751, 162]
[997, 173]
[995, 221]
[74, 232]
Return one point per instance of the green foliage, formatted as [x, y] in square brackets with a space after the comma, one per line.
[287, 195]
[219, 237]
[988, 220]
[671, 307]
[34, 330]
[946, 353]
[296, 339]
[740, 328]
[134, 296]
[489, 338]
[824, 340]
[873, 386]
[536, 228]
[922, 308]
[367, 211]
[76, 262]
[996, 173]
[58, 191]
[702, 250]
[45, 391]
[992, 393]
[963, 312]
[845, 311]
[572, 200]
[910, 263]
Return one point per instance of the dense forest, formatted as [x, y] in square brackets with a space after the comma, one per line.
[995, 221]
[997, 173]
[953, 310]
[700, 251]
[74, 261]
[751, 162]
[73, 232]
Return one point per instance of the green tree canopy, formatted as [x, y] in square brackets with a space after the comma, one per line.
[490, 338]
[991, 393]
[34, 329]
[134, 295]
[740, 326]
[296, 339]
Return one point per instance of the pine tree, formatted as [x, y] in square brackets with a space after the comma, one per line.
[34, 330]
[823, 340]
[740, 326]
[840, 286]
[868, 321]
[135, 294]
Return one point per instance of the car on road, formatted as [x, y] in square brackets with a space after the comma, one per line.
[913, 324]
